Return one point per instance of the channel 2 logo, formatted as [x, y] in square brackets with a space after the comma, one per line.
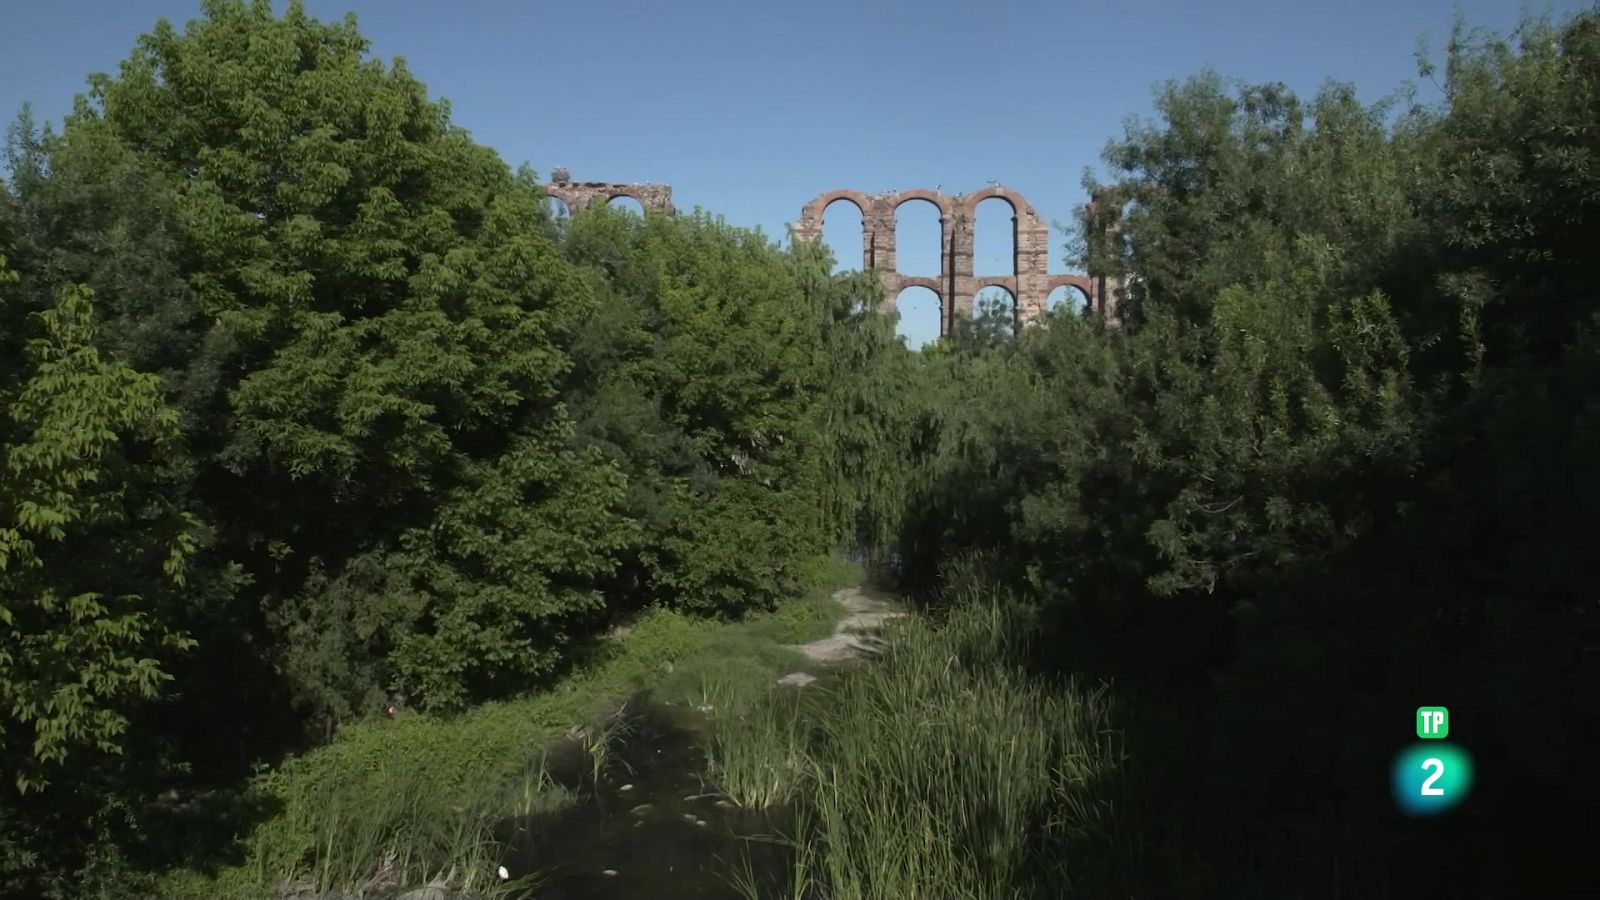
[1433, 775]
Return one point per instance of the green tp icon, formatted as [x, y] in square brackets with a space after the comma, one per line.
[1433, 722]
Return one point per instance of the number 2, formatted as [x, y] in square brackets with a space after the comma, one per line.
[1428, 790]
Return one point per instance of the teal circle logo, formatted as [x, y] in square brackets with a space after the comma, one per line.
[1431, 778]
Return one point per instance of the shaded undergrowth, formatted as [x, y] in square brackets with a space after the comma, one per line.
[421, 799]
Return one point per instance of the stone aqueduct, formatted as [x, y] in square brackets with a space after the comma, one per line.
[1029, 283]
[584, 194]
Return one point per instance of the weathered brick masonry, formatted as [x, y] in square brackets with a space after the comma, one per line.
[1030, 281]
[957, 286]
[584, 194]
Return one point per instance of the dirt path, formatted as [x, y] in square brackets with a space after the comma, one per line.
[857, 635]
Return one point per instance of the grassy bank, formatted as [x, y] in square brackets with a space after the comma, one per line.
[417, 798]
[941, 770]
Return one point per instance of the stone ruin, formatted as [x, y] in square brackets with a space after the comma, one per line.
[580, 195]
[1029, 283]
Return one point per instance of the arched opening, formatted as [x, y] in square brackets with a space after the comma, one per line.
[919, 317]
[843, 230]
[994, 313]
[994, 239]
[627, 205]
[1067, 299]
[918, 238]
[556, 208]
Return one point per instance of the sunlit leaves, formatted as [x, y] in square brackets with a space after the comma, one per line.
[71, 658]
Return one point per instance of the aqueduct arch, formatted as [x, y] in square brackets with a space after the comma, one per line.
[1029, 282]
[957, 285]
[585, 194]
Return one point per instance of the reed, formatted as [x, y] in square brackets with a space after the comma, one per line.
[943, 769]
[756, 756]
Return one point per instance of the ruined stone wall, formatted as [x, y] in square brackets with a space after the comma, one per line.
[957, 286]
[579, 195]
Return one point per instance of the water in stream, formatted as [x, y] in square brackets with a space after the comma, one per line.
[650, 827]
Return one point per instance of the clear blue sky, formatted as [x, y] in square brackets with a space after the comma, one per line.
[750, 108]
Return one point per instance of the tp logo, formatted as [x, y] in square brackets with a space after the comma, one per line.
[1433, 723]
[1430, 778]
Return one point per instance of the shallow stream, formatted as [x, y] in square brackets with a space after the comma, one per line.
[650, 827]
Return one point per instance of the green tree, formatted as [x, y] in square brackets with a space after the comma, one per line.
[91, 554]
[1330, 460]
[703, 378]
[356, 310]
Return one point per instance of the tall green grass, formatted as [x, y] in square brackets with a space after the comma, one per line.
[399, 803]
[756, 755]
[942, 769]
[416, 833]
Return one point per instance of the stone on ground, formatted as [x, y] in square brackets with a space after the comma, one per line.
[858, 633]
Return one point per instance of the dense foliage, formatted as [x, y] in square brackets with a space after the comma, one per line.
[1333, 457]
[312, 409]
[308, 408]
